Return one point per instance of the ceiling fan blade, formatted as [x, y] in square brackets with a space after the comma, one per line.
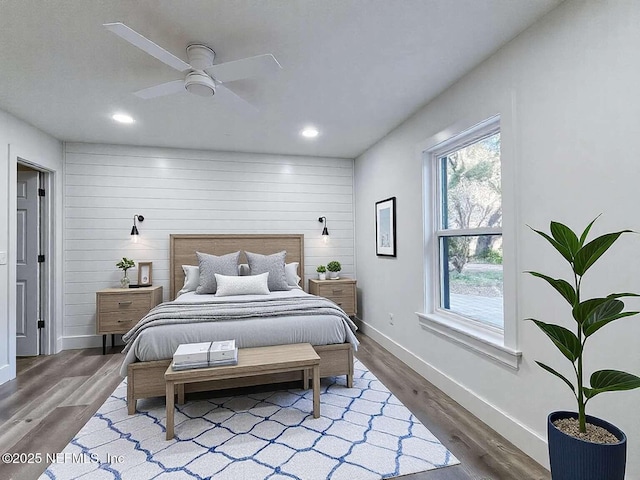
[246, 67]
[147, 45]
[234, 101]
[161, 90]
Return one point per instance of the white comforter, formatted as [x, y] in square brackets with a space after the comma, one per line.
[159, 342]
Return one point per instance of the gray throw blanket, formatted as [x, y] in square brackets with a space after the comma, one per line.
[180, 313]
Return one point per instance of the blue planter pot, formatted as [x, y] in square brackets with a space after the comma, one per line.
[575, 459]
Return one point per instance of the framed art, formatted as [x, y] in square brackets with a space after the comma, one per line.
[144, 274]
[386, 227]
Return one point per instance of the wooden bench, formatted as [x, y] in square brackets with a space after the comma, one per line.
[251, 362]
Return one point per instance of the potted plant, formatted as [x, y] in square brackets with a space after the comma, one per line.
[334, 267]
[322, 272]
[125, 264]
[576, 448]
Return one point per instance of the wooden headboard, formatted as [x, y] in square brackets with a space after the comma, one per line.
[183, 248]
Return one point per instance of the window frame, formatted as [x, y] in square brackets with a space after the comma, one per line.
[496, 344]
[457, 142]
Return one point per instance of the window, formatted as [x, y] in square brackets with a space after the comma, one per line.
[468, 230]
[465, 302]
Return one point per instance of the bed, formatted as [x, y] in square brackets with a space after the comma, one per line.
[148, 356]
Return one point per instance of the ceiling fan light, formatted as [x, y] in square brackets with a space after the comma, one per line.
[200, 90]
[200, 84]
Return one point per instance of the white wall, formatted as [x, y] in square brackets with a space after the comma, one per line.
[567, 90]
[189, 191]
[18, 139]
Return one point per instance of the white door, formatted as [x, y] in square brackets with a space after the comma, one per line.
[27, 282]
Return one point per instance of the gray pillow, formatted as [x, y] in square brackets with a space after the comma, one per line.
[210, 265]
[273, 264]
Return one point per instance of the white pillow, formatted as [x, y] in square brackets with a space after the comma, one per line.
[291, 272]
[236, 285]
[191, 279]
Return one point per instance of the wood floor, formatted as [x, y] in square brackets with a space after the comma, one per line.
[54, 396]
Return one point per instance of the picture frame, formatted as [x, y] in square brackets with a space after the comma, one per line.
[145, 274]
[386, 227]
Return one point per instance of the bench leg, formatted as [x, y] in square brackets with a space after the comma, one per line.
[350, 374]
[305, 379]
[181, 394]
[316, 391]
[170, 409]
[131, 400]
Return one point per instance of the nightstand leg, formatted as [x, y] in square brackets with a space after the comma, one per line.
[104, 344]
[113, 340]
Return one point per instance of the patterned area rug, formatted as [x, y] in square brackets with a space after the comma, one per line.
[363, 433]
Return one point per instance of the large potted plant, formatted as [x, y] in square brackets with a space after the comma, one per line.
[583, 447]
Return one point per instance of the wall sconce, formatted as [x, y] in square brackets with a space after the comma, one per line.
[134, 230]
[325, 232]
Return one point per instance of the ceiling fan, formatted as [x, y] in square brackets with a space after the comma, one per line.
[203, 78]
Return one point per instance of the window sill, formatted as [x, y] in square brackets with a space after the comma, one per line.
[471, 337]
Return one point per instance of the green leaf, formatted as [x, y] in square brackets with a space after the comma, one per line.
[559, 375]
[592, 251]
[565, 237]
[562, 286]
[625, 294]
[588, 393]
[612, 381]
[606, 313]
[583, 237]
[564, 339]
[582, 311]
[557, 245]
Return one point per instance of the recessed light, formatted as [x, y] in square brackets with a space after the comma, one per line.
[123, 118]
[309, 132]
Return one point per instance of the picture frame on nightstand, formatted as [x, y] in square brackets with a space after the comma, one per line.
[145, 274]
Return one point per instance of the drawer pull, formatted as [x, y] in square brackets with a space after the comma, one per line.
[336, 292]
[125, 303]
[339, 304]
[123, 321]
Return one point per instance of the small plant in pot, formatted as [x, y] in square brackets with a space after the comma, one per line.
[125, 264]
[582, 446]
[334, 267]
[322, 272]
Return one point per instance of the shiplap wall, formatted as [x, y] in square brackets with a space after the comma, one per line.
[188, 191]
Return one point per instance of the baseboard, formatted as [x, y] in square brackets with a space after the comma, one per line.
[87, 341]
[520, 435]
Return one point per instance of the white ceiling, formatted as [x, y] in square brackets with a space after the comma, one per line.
[354, 68]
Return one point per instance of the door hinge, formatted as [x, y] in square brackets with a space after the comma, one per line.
[40, 323]
[41, 192]
[40, 258]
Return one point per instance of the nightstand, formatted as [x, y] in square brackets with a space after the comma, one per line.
[342, 292]
[119, 309]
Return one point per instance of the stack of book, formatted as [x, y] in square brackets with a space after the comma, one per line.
[206, 354]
